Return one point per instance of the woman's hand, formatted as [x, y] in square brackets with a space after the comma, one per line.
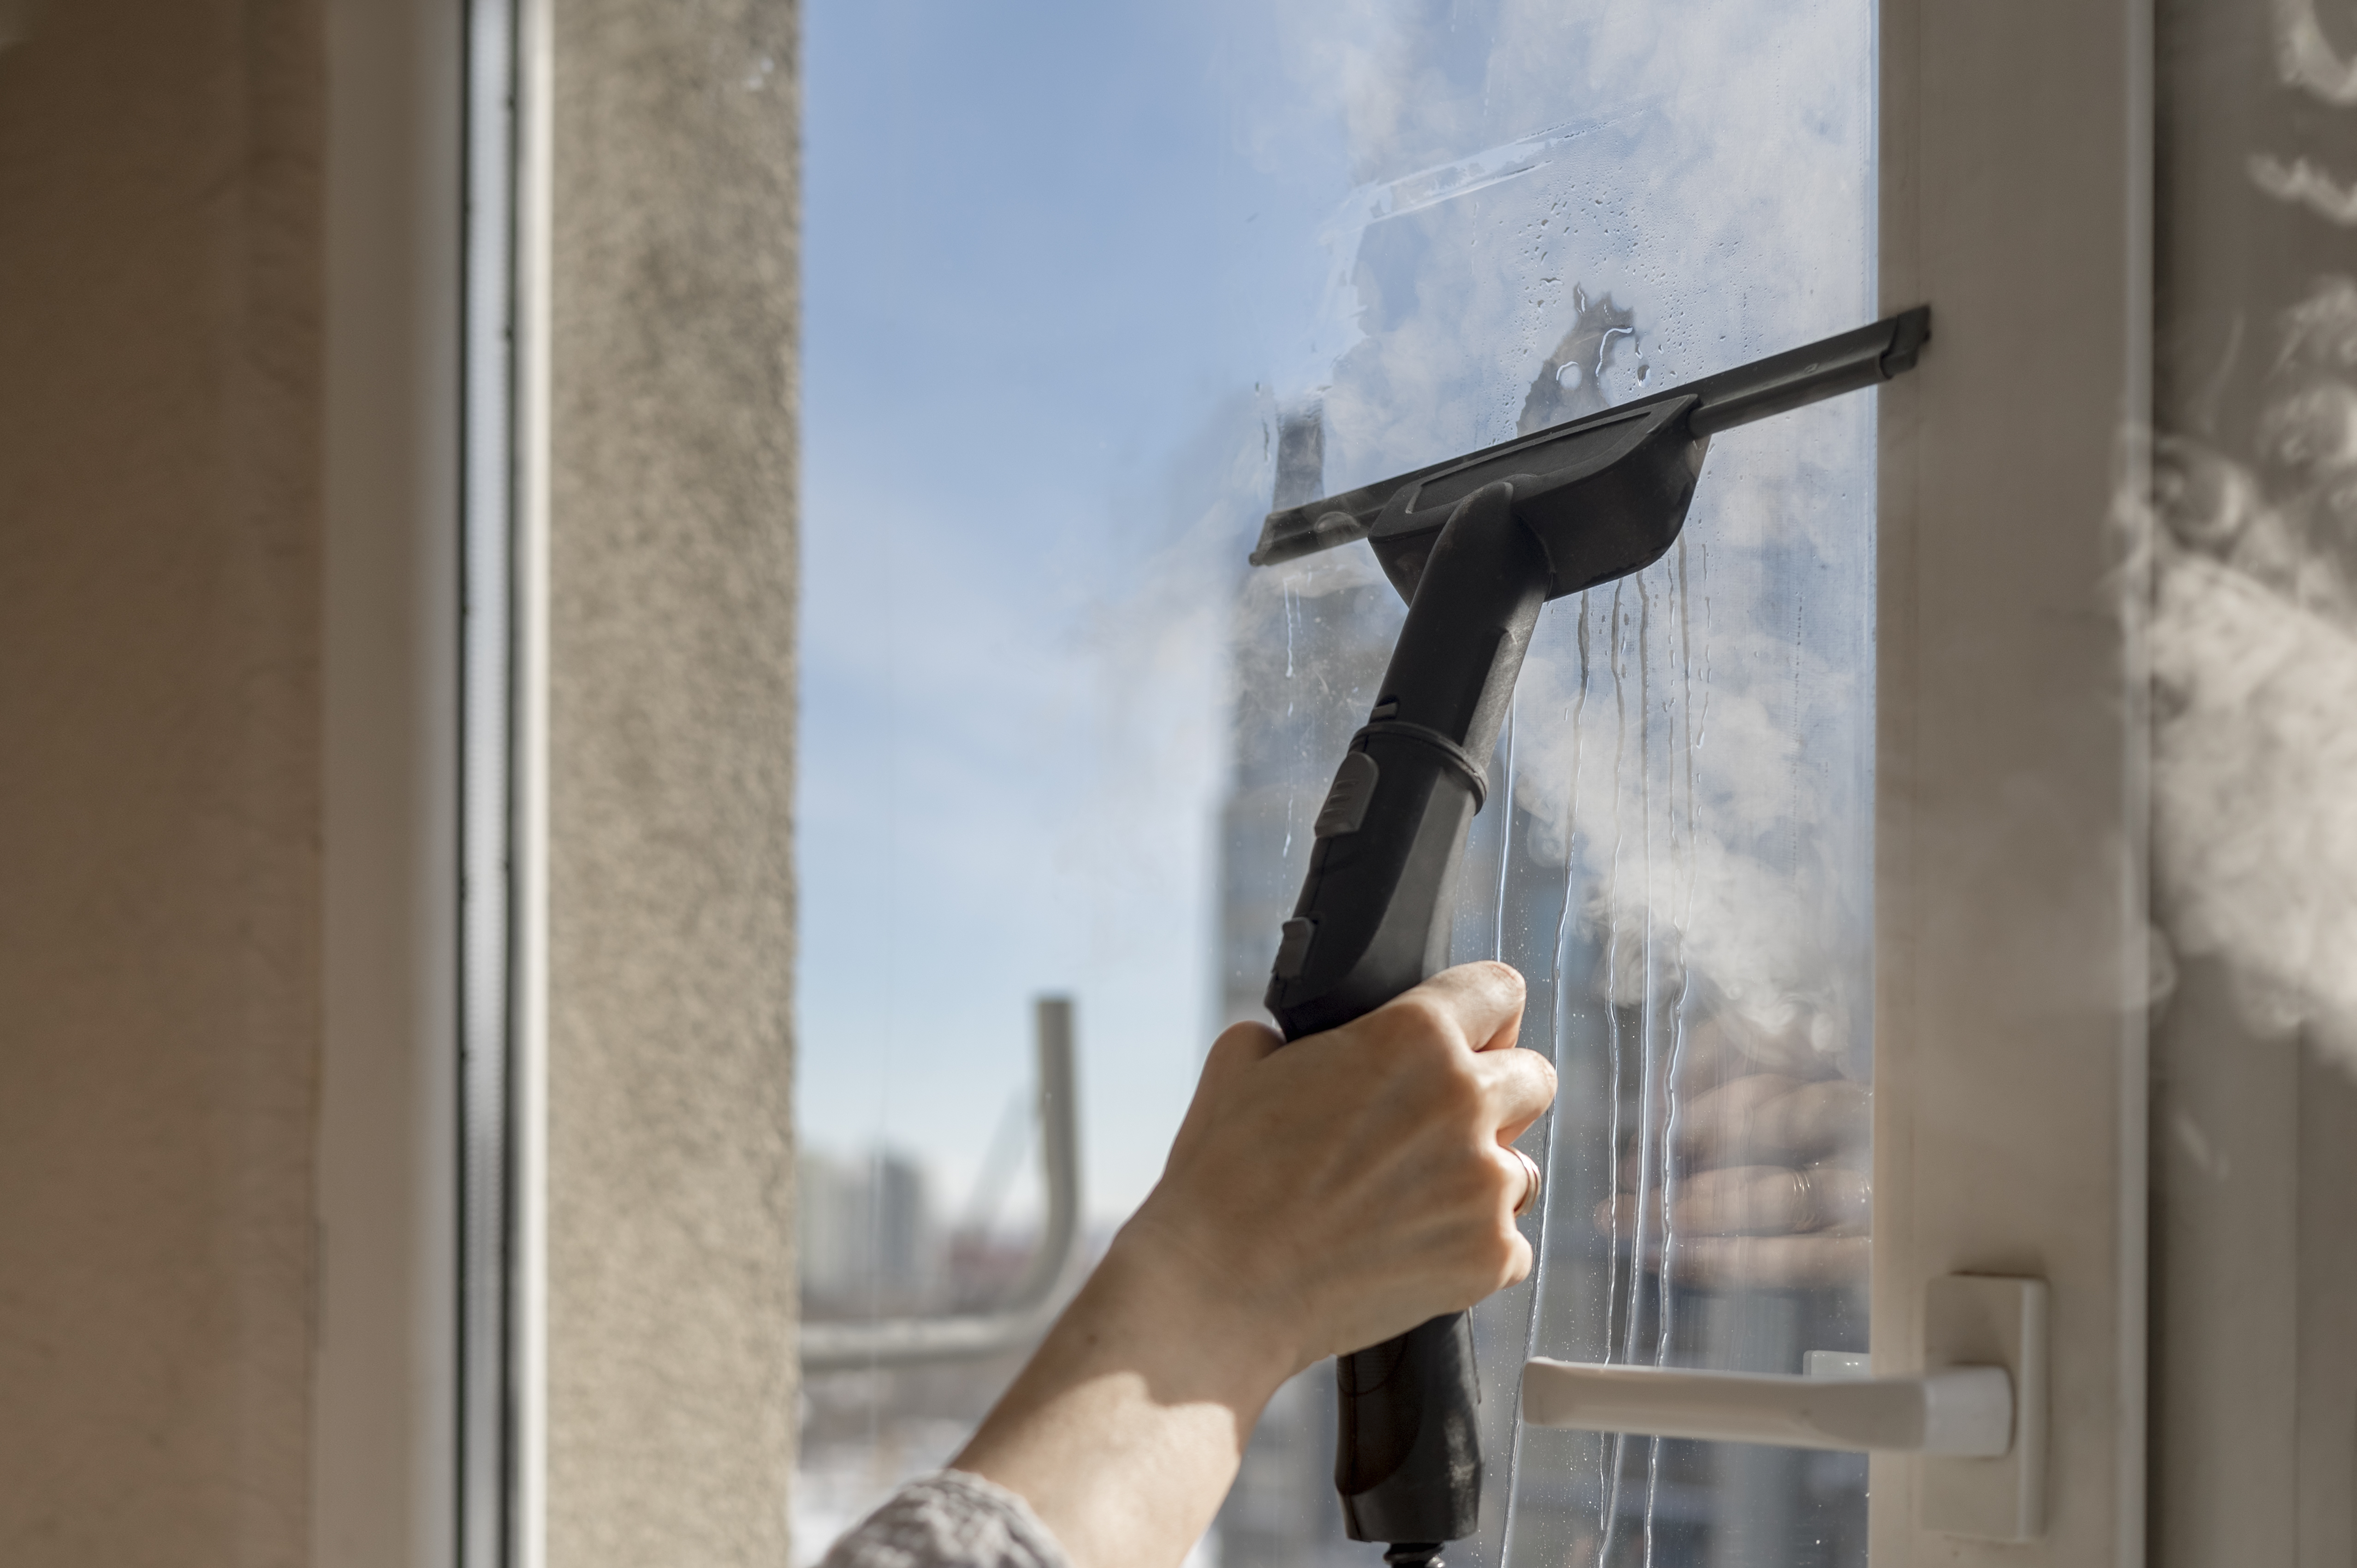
[1772, 1186]
[1350, 1186]
[1319, 1198]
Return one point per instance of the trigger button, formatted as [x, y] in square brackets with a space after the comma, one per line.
[1347, 801]
[1294, 950]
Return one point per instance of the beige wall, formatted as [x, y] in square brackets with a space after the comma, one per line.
[228, 417]
[160, 779]
[672, 584]
[384, 1367]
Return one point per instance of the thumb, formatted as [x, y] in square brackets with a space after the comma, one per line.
[1239, 1047]
[1239, 1050]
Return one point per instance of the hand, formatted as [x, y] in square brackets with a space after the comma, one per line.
[1317, 1198]
[1772, 1190]
[1356, 1183]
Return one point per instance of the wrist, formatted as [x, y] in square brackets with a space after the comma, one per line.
[1125, 1429]
[1188, 1324]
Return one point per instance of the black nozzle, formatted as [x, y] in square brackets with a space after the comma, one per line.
[1549, 462]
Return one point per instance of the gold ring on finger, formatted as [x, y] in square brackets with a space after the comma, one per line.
[1532, 1184]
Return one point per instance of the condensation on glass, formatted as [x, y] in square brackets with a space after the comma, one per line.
[1408, 231]
[1677, 853]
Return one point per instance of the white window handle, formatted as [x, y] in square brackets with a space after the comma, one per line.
[1962, 1411]
[1977, 1415]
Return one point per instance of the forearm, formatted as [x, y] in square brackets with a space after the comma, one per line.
[1319, 1198]
[1126, 1428]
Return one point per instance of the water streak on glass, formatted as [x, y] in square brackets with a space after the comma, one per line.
[1089, 757]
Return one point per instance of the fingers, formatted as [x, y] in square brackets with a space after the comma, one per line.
[1519, 1086]
[1481, 1005]
[1753, 1200]
[1778, 1202]
[1519, 1259]
[1718, 1120]
[1483, 1000]
[1239, 1047]
[1772, 1262]
[1523, 1179]
[1748, 1201]
[1769, 1119]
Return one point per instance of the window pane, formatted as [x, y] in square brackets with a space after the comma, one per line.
[1089, 288]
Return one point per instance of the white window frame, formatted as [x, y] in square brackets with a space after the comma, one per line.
[2015, 171]
[426, 1410]
[2011, 926]
[384, 1367]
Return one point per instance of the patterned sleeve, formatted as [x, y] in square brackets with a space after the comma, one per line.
[949, 1520]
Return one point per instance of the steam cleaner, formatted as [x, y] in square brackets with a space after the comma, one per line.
[1476, 546]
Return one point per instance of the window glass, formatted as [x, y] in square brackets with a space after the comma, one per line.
[1088, 289]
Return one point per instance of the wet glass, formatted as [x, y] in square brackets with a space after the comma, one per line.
[1088, 294]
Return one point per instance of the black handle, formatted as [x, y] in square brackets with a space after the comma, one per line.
[1373, 921]
[1408, 1463]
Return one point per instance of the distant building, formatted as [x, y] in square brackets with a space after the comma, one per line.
[1306, 664]
[869, 1243]
[1305, 659]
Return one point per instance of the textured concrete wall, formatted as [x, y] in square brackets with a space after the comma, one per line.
[159, 780]
[670, 1281]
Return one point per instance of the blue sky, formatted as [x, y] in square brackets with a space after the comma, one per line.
[1058, 260]
[1039, 280]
